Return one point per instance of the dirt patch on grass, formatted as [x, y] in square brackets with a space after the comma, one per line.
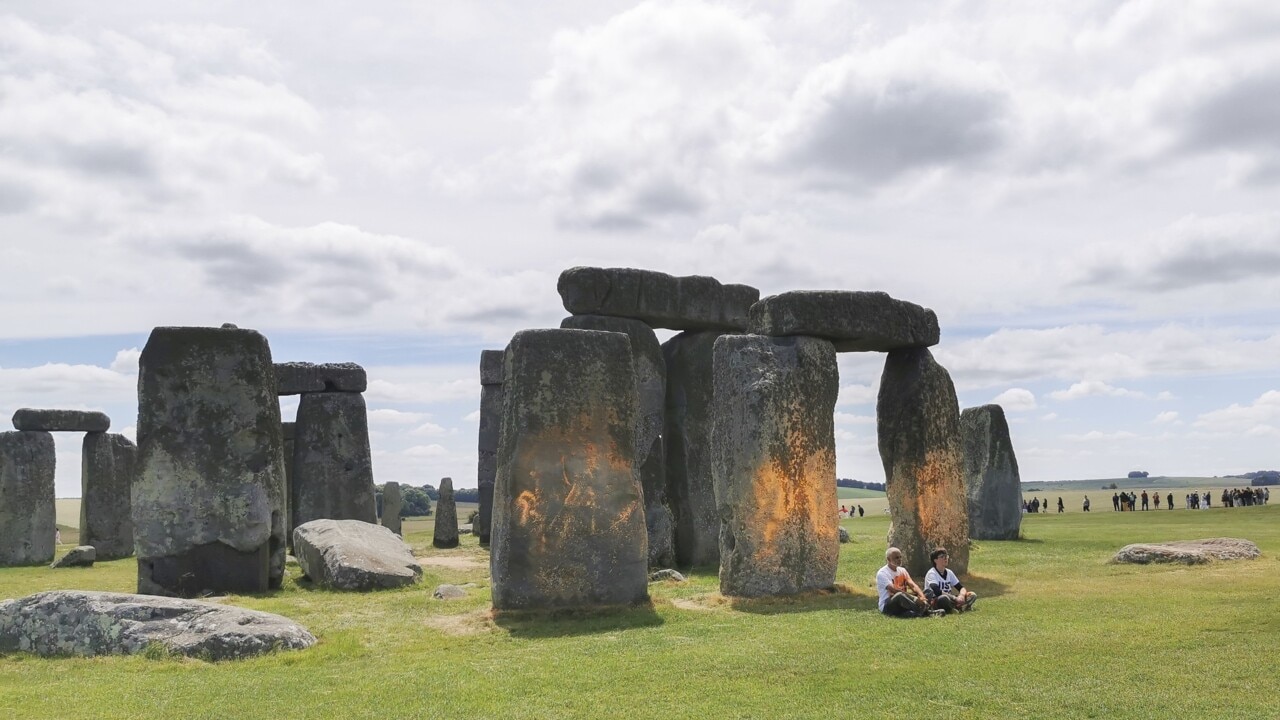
[472, 623]
[705, 603]
[453, 562]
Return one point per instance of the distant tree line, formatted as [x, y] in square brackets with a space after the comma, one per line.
[414, 502]
[1263, 477]
[847, 483]
[466, 495]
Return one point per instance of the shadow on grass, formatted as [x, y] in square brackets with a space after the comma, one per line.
[535, 624]
[985, 587]
[840, 597]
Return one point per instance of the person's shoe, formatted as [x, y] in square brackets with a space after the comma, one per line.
[937, 613]
[969, 601]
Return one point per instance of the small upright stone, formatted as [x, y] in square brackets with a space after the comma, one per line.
[79, 556]
[775, 464]
[491, 370]
[27, 514]
[208, 500]
[991, 478]
[446, 526]
[294, 378]
[690, 487]
[678, 303]
[391, 501]
[61, 420]
[568, 517]
[108, 465]
[332, 461]
[918, 421]
[855, 321]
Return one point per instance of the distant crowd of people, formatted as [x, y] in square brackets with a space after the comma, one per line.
[851, 511]
[1131, 501]
[1034, 506]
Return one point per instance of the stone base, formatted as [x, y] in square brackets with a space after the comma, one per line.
[214, 567]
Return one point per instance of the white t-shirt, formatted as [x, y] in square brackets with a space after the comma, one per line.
[884, 579]
[941, 584]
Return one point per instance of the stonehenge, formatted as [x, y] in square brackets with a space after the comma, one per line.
[332, 460]
[445, 534]
[491, 363]
[27, 519]
[690, 488]
[660, 300]
[991, 479]
[108, 464]
[208, 498]
[61, 420]
[391, 501]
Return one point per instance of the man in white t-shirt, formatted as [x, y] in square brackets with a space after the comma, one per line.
[948, 594]
[899, 594]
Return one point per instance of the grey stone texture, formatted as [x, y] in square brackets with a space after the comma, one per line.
[991, 478]
[448, 592]
[27, 514]
[1188, 552]
[332, 461]
[78, 622]
[855, 321]
[445, 534]
[775, 464]
[651, 391]
[491, 369]
[295, 378]
[61, 420]
[208, 498]
[391, 502]
[289, 429]
[354, 555]
[568, 512]
[666, 574]
[693, 302]
[690, 488]
[844, 536]
[108, 464]
[918, 422]
[79, 556]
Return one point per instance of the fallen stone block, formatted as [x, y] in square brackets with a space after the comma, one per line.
[1188, 552]
[79, 556]
[354, 555]
[61, 420]
[855, 321]
[448, 592]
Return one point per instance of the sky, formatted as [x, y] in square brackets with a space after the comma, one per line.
[1084, 191]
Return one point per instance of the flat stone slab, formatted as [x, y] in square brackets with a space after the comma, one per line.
[295, 378]
[79, 556]
[854, 321]
[78, 622]
[692, 302]
[1188, 552]
[61, 420]
[354, 555]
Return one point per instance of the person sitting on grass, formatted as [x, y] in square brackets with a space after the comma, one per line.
[899, 594]
[940, 582]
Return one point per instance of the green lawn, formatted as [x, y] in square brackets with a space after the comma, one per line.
[1058, 633]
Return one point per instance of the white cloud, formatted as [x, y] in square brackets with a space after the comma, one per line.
[1099, 436]
[1263, 411]
[1049, 417]
[432, 430]
[843, 418]
[858, 394]
[1016, 400]
[389, 417]
[1166, 417]
[1092, 388]
[472, 417]
[426, 451]
[126, 362]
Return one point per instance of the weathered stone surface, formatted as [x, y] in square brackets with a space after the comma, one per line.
[108, 463]
[448, 592]
[1188, 552]
[491, 363]
[568, 516]
[79, 556]
[294, 378]
[27, 515]
[918, 422]
[692, 302]
[690, 489]
[332, 462]
[289, 430]
[651, 391]
[853, 320]
[391, 501]
[354, 555]
[208, 498]
[77, 622]
[445, 534]
[775, 464]
[991, 478]
[844, 536]
[666, 574]
[61, 420]
[491, 369]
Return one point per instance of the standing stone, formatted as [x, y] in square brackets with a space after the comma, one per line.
[690, 488]
[775, 464]
[208, 499]
[108, 462]
[391, 501]
[446, 526]
[651, 391]
[332, 465]
[568, 517]
[918, 420]
[27, 516]
[694, 302]
[991, 479]
[491, 362]
[289, 429]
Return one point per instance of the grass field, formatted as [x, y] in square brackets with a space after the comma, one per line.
[1058, 633]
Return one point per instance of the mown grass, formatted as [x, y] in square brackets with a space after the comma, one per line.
[1059, 633]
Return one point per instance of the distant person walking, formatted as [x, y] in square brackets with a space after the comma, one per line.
[1061, 507]
[861, 511]
[1170, 498]
[1145, 505]
[1115, 502]
[1086, 503]
[1155, 497]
